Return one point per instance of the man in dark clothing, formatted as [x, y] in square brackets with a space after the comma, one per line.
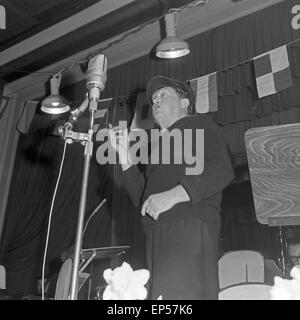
[179, 208]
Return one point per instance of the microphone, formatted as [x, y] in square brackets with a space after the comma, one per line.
[95, 82]
[96, 76]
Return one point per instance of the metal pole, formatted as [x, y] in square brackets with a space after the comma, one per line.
[281, 236]
[88, 151]
[96, 78]
[82, 205]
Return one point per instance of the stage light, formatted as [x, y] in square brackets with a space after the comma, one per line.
[171, 46]
[55, 103]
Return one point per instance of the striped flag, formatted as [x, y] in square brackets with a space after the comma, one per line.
[205, 90]
[101, 114]
[272, 72]
[143, 113]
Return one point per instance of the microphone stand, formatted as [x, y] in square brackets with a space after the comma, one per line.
[86, 140]
[96, 78]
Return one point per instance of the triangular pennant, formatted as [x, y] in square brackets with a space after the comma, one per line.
[101, 114]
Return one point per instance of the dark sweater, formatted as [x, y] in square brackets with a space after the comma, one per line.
[204, 189]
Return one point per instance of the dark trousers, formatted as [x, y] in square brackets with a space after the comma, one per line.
[182, 258]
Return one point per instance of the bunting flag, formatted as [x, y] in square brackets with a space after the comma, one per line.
[272, 72]
[100, 118]
[205, 89]
[26, 117]
[143, 113]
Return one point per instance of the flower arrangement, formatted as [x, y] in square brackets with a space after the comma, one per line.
[285, 289]
[123, 283]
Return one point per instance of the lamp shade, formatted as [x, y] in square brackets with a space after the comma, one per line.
[55, 103]
[171, 46]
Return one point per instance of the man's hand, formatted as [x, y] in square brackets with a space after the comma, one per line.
[119, 141]
[158, 203]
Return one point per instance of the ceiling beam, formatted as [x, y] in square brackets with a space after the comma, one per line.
[52, 47]
[61, 29]
[191, 23]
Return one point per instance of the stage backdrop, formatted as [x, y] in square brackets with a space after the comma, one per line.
[39, 151]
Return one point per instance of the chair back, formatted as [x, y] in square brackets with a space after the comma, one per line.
[64, 281]
[241, 266]
[2, 277]
[248, 291]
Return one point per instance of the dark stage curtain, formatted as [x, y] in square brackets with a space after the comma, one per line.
[39, 152]
[34, 178]
[240, 229]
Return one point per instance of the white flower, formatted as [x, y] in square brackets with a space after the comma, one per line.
[284, 289]
[125, 284]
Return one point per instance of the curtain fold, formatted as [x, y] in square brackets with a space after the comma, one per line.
[35, 174]
[34, 178]
[10, 112]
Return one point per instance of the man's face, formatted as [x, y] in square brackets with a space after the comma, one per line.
[167, 106]
[294, 253]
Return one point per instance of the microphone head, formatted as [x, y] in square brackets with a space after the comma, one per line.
[96, 73]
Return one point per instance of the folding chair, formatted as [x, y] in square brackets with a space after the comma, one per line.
[241, 266]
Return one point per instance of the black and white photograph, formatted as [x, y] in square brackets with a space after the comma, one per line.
[150, 152]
